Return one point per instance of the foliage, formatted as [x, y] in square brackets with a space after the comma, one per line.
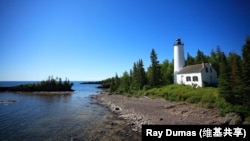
[245, 71]
[138, 76]
[200, 58]
[214, 59]
[51, 84]
[190, 60]
[154, 73]
[166, 73]
[224, 85]
[138, 79]
[234, 84]
[125, 82]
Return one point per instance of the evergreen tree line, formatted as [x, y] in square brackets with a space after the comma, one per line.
[234, 78]
[51, 84]
[232, 70]
[157, 74]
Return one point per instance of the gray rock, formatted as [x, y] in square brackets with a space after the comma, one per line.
[246, 123]
[233, 119]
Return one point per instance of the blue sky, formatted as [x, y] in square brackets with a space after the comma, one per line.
[95, 39]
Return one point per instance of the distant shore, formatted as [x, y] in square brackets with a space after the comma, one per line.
[91, 82]
[101, 86]
[144, 110]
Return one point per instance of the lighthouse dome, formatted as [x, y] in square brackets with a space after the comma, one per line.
[178, 42]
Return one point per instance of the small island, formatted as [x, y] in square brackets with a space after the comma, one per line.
[49, 85]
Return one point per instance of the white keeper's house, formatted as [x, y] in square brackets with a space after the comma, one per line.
[196, 75]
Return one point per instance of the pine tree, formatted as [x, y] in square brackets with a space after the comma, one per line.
[154, 74]
[114, 83]
[246, 70]
[117, 81]
[235, 77]
[125, 82]
[134, 85]
[218, 54]
[170, 71]
[142, 74]
[166, 72]
[164, 75]
[224, 85]
[138, 76]
[200, 58]
[214, 60]
[190, 60]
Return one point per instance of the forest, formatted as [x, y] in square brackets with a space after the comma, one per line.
[51, 84]
[232, 69]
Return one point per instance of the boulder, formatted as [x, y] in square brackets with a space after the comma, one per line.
[233, 119]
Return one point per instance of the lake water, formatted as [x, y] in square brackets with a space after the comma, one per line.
[59, 117]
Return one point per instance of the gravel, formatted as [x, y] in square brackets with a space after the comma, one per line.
[138, 111]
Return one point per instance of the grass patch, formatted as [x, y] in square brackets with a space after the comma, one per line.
[207, 97]
[204, 96]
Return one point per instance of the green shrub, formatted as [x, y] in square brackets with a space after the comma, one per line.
[194, 99]
[247, 119]
[208, 101]
[146, 87]
[223, 106]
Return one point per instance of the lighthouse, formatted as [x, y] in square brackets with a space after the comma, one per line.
[179, 61]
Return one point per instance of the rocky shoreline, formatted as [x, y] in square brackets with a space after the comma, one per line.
[144, 110]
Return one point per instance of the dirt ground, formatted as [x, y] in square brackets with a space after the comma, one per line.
[144, 110]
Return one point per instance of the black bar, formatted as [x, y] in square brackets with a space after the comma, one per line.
[195, 132]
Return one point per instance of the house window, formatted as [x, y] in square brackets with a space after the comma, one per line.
[188, 78]
[206, 70]
[195, 78]
[211, 70]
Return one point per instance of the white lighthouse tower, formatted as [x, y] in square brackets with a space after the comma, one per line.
[179, 61]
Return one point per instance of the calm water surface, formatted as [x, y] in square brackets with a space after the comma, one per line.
[57, 117]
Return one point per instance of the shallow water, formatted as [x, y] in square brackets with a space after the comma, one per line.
[32, 117]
